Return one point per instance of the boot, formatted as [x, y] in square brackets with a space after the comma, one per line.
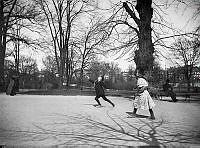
[152, 117]
[134, 111]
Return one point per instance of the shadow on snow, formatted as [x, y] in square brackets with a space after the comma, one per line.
[84, 130]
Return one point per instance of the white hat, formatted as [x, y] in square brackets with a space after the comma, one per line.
[99, 78]
[142, 82]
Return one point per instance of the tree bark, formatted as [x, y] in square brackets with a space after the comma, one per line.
[2, 49]
[144, 55]
[4, 21]
[188, 75]
[2, 56]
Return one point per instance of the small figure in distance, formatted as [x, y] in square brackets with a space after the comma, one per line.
[168, 90]
[99, 89]
[13, 86]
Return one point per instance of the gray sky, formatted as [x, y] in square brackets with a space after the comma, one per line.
[179, 17]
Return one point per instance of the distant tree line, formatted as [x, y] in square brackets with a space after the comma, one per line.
[115, 78]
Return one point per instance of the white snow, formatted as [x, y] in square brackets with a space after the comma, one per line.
[72, 120]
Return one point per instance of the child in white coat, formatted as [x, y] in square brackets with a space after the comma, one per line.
[143, 99]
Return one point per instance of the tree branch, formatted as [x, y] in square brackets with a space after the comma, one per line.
[131, 13]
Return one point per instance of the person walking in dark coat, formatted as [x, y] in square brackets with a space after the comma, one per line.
[13, 86]
[168, 90]
[99, 89]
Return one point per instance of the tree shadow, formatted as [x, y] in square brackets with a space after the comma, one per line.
[84, 130]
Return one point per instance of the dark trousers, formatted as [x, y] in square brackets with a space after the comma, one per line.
[104, 97]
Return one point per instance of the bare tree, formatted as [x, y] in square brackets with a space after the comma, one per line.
[190, 4]
[3, 31]
[187, 52]
[144, 55]
[28, 65]
[28, 70]
[145, 24]
[62, 17]
[170, 32]
[11, 12]
[132, 32]
[50, 65]
[140, 33]
[90, 43]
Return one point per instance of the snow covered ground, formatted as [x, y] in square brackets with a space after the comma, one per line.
[35, 120]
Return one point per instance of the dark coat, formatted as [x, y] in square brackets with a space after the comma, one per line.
[167, 87]
[99, 87]
[16, 86]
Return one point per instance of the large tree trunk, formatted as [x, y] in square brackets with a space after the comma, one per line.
[4, 21]
[81, 78]
[2, 57]
[62, 67]
[67, 64]
[68, 33]
[188, 74]
[2, 49]
[144, 55]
